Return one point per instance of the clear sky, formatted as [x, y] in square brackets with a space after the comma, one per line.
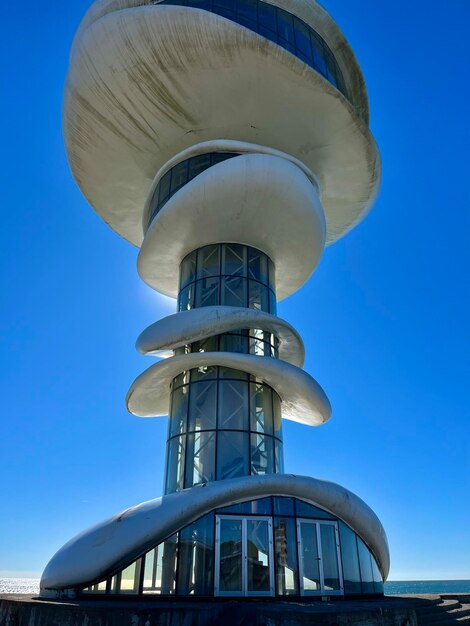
[384, 318]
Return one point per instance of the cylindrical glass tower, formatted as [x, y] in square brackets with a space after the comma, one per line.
[224, 423]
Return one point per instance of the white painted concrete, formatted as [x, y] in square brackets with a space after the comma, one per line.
[260, 200]
[303, 400]
[180, 329]
[118, 541]
[146, 83]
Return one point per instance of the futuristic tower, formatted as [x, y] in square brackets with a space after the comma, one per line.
[229, 141]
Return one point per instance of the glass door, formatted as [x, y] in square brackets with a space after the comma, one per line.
[244, 556]
[319, 558]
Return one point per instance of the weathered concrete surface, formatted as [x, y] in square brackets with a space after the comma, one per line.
[17, 610]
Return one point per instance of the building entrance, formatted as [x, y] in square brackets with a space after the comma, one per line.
[319, 558]
[244, 556]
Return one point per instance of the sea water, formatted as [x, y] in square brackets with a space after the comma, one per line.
[30, 586]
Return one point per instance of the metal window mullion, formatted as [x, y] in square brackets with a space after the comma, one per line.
[300, 559]
[320, 562]
[271, 555]
[244, 558]
[339, 558]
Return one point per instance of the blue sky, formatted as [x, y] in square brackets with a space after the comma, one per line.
[384, 318]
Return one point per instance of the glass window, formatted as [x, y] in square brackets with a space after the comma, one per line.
[262, 454]
[272, 303]
[233, 405]
[152, 577]
[175, 464]
[129, 579]
[204, 373]
[234, 259]
[329, 554]
[234, 343]
[179, 411]
[232, 455]
[228, 372]
[208, 261]
[231, 560]
[304, 509]
[263, 506]
[188, 270]
[258, 556]
[279, 456]
[198, 164]
[350, 557]
[229, 5]
[186, 298]
[318, 53]
[285, 26]
[211, 344]
[309, 557]
[377, 576]
[302, 38]
[267, 17]
[164, 188]
[246, 13]
[207, 292]
[257, 266]
[261, 409]
[277, 413]
[234, 291]
[196, 558]
[202, 406]
[366, 567]
[200, 458]
[272, 275]
[258, 296]
[284, 506]
[179, 176]
[285, 548]
[166, 564]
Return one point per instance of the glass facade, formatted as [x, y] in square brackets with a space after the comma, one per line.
[223, 422]
[269, 546]
[180, 174]
[278, 26]
[230, 275]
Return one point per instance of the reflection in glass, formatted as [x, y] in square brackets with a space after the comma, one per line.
[351, 572]
[377, 576]
[175, 464]
[262, 454]
[304, 509]
[329, 557]
[202, 406]
[230, 562]
[366, 567]
[309, 558]
[232, 457]
[285, 543]
[257, 551]
[196, 558]
[179, 411]
[200, 463]
[233, 405]
[130, 577]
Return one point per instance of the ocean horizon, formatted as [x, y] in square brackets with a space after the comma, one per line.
[30, 586]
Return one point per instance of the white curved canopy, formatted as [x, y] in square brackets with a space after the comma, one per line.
[303, 400]
[147, 82]
[180, 329]
[118, 541]
[260, 200]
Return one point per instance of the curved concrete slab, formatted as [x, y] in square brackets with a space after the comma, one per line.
[303, 400]
[146, 83]
[260, 200]
[115, 543]
[180, 329]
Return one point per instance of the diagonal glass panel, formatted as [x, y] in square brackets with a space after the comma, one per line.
[233, 405]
